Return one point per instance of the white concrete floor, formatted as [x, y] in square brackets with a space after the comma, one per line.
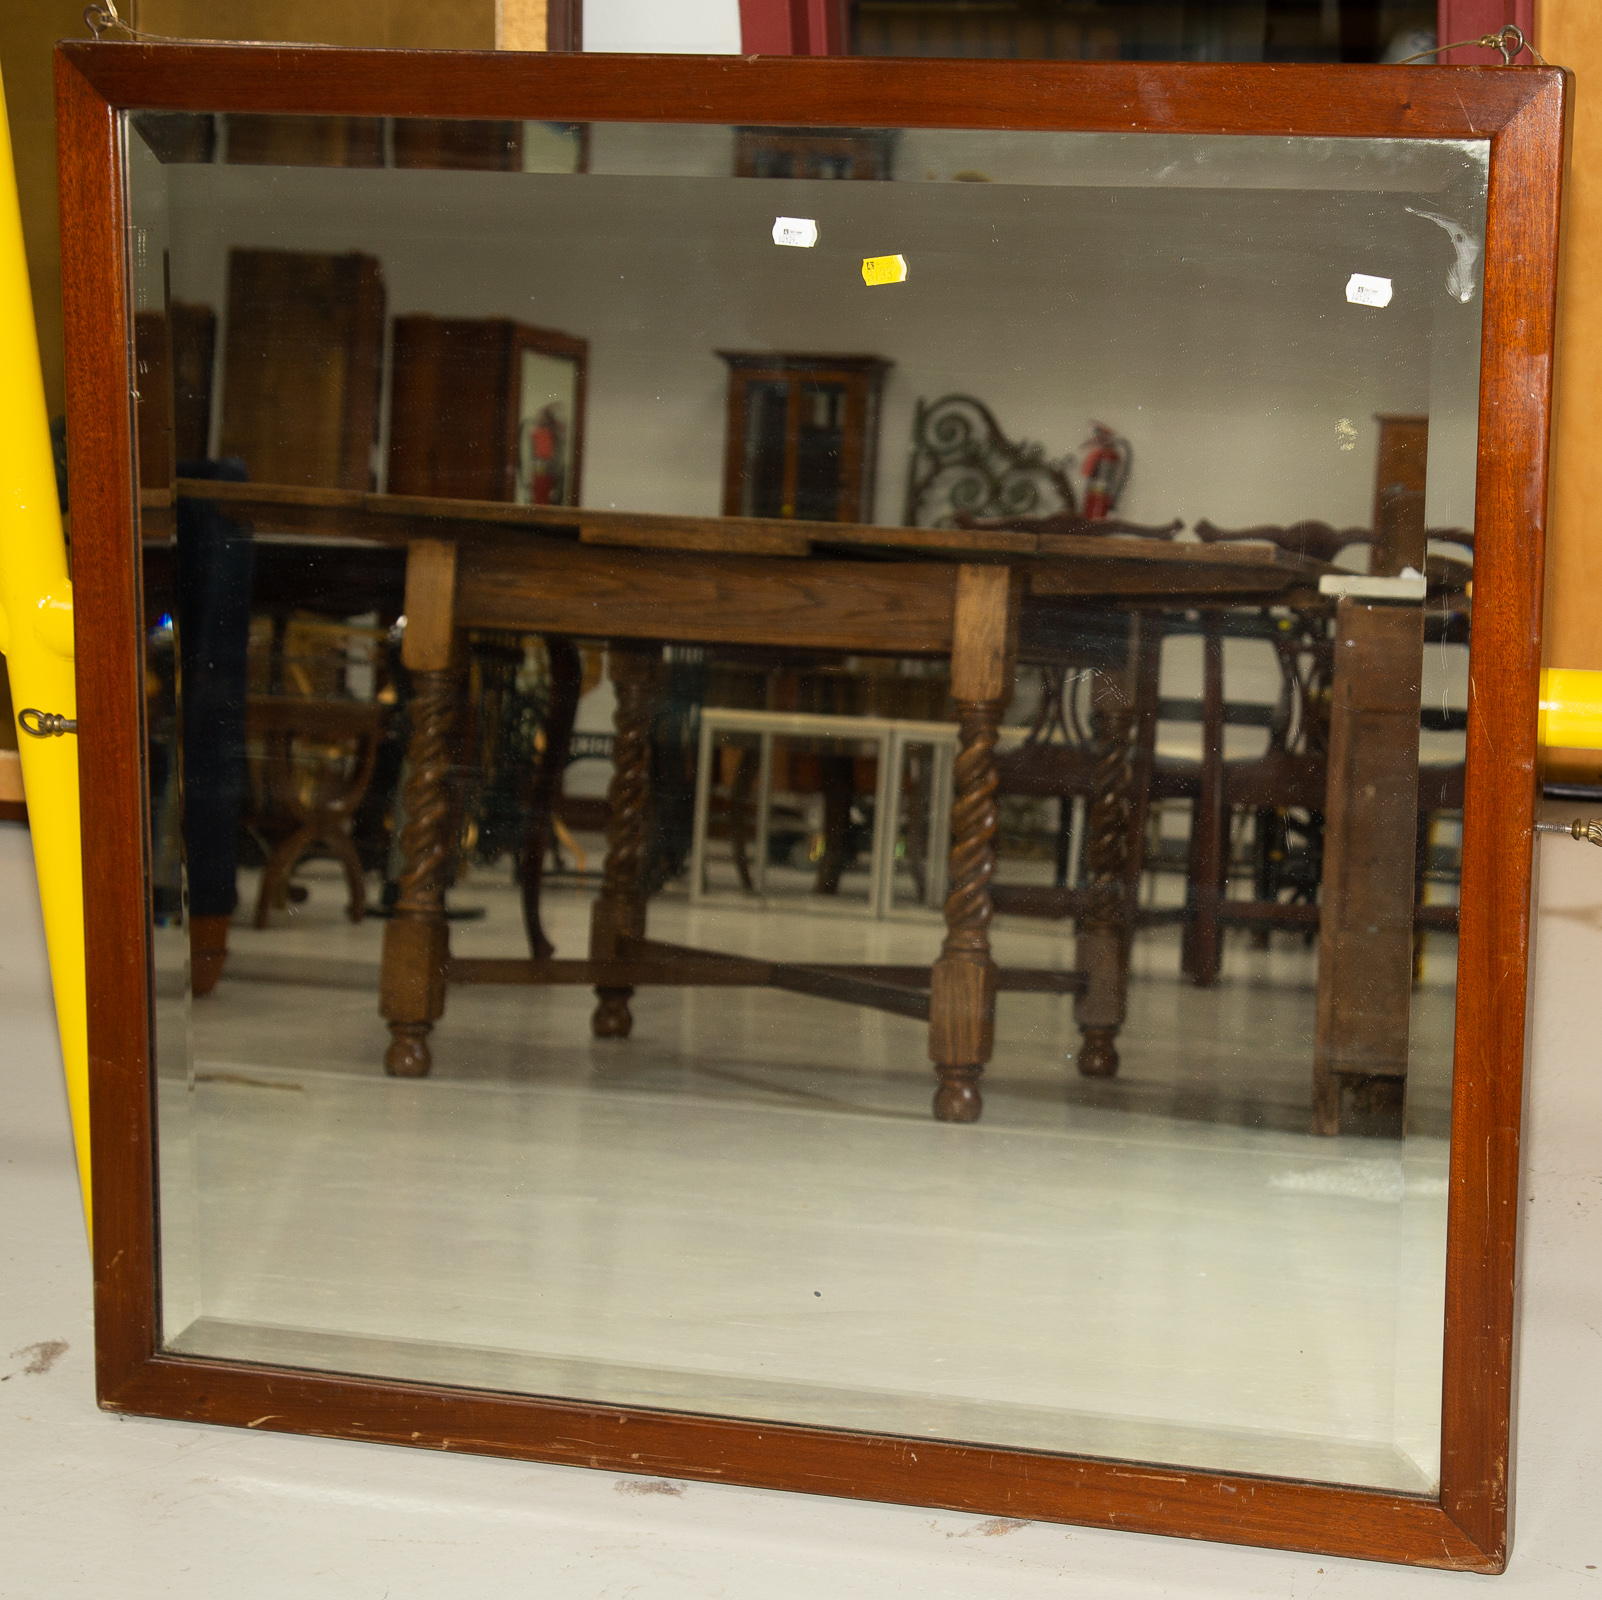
[90, 1504]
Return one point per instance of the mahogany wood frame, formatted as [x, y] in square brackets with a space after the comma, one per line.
[1522, 110]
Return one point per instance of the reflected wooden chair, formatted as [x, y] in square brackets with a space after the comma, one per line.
[1289, 776]
[313, 744]
[1292, 774]
[317, 762]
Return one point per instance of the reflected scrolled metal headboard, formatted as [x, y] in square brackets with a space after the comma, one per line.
[963, 464]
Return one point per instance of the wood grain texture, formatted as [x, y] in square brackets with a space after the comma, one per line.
[110, 683]
[1521, 110]
[1077, 566]
[904, 609]
[430, 605]
[1104, 97]
[984, 652]
[1323, 1519]
[1516, 374]
[1365, 944]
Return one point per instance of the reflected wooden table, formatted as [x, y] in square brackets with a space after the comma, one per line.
[981, 598]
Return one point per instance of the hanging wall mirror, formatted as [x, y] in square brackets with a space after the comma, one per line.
[868, 836]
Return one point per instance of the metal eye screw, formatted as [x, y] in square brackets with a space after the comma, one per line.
[46, 724]
[1586, 832]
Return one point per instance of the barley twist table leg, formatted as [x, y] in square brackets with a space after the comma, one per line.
[619, 912]
[962, 1000]
[1103, 927]
[415, 953]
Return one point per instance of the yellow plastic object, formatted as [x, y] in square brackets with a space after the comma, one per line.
[36, 640]
[1571, 709]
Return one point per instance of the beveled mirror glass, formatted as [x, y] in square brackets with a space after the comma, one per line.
[744, 1206]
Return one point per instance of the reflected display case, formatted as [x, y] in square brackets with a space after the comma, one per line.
[948, 924]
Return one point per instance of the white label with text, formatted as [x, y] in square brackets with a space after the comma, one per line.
[1363, 290]
[800, 232]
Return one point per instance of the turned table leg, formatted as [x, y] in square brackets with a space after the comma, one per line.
[412, 980]
[619, 912]
[962, 999]
[1103, 930]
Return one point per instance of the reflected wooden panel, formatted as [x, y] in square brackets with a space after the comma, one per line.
[486, 409]
[266, 141]
[302, 366]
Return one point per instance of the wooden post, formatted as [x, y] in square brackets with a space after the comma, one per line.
[962, 1000]
[1365, 945]
[412, 982]
[619, 911]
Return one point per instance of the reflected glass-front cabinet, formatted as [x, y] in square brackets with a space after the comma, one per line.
[803, 435]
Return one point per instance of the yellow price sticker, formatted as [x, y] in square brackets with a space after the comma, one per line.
[884, 269]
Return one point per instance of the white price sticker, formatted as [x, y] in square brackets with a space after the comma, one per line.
[799, 232]
[1363, 290]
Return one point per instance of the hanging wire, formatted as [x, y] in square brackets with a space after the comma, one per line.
[1509, 40]
[103, 17]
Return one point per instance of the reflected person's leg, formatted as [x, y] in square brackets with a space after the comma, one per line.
[412, 981]
[962, 1000]
[838, 775]
[619, 912]
[215, 577]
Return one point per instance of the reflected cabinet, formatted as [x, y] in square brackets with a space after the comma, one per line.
[936, 923]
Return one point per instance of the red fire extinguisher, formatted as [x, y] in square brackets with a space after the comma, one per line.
[1104, 465]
